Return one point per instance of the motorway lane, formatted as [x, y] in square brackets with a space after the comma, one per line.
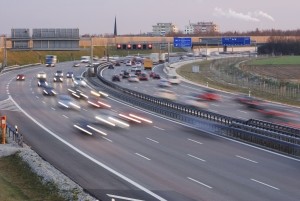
[127, 144]
[226, 106]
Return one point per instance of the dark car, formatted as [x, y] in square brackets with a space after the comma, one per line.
[110, 66]
[117, 64]
[138, 72]
[156, 76]
[59, 73]
[58, 78]
[49, 91]
[249, 102]
[42, 83]
[143, 76]
[20, 77]
[125, 75]
[69, 74]
[116, 78]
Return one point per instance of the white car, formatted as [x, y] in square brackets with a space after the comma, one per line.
[164, 83]
[133, 78]
[166, 94]
[173, 79]
[42, 75]
[138, 64]
[128, 63]
[79, 81]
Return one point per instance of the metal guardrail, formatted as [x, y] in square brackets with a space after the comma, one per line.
[276, 137]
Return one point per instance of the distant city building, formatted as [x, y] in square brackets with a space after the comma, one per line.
[161, 29]
[201, 27]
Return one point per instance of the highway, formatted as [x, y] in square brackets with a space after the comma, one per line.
[164, 160]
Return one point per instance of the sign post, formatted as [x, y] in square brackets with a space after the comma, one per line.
[3, 127]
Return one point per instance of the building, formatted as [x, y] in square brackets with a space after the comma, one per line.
[201, 27]
[161, 29]
[20, 38]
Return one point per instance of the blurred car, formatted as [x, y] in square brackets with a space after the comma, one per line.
[58, 78]
[125, 74]
[49, 91]
[116, 78]
[138, 72]
[59, 73]
[128, 63]
[79, 81]
[133, 78]
[88, 128]
[138, 64]
[20, 77]
[42, 83]
[210, 95]
[143, 76]
[111, 119]
[151, 74]
[42, 75]
[164, 83]
[166, 94]
[75, 92]
[195, 102]
[76, 64]
[110, 66]
[173, 79]
[249, 102]
[97, 102]
[66, 101]
[69, 74]
[117, 64]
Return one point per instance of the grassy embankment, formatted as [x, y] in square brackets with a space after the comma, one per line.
[208, 77]
[19, 183]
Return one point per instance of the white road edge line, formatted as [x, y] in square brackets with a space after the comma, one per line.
[246, 159]
[159, 128]
[195, 141]
[143, 156]
[194, 180]
[200, 159]
[122, 198]
[265, 184]
[152, 140]
[89, 157]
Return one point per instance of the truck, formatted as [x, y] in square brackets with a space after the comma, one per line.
[148, 64]
[154, 57]
[162, 57]
[50, 60]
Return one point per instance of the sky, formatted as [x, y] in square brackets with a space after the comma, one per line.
[138, 16]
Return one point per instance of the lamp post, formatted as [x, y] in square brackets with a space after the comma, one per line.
[92, 49]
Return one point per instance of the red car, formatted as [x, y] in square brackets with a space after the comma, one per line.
[143, 76]
[20, 77]
[210, 96]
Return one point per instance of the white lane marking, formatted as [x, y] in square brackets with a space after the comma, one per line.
[65, 116]
[215, 105]
[143, 156]
[265, 184]
[194, 180]
[246, 159]
[195, 141]
[32, 92]
[106, 139]
[84, 109]
[37, 97]
[44, 102]
[242, 111]
[200, 159]
[114, 110]
[53, 108]
[152, 140]
[159, 128]
[89, 157]
[122, 198]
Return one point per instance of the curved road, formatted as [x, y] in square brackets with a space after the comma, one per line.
[160, 161]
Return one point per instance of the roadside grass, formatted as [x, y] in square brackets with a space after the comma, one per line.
[283, 60]
[207, 78]
[19, 183]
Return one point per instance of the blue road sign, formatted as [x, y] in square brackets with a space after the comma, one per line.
[182, 42]
[235, 41]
